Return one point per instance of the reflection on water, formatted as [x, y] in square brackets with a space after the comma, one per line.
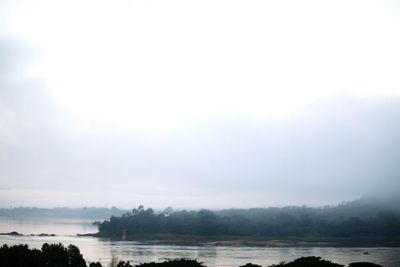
[96, 249]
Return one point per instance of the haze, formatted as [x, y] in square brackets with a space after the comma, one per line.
[198, 104]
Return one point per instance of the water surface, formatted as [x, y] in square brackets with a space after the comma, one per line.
[103, 250]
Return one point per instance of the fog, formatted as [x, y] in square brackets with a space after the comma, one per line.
[336, 149]
[330, 148]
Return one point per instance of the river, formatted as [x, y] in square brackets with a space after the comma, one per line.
[103, 250]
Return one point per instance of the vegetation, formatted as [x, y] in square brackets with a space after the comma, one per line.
[56, 255]
[309, 262]
[363, 264]
[349, 220]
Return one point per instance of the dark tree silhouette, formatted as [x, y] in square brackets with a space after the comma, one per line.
[349, 221]
[309, 262]
[173, 263]
[250, 265]
[364, 264]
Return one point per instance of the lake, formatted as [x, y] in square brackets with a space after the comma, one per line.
[103, 250]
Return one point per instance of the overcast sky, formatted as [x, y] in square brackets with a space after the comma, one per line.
[197, 104]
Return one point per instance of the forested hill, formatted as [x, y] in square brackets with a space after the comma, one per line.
[354, 219]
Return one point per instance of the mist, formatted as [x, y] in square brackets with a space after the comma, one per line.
[101, 113]
[339, 148]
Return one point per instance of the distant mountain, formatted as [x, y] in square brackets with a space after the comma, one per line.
[93, 213]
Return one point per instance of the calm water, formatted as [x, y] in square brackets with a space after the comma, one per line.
[96, 249]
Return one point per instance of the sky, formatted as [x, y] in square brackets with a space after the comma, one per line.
[198, 104]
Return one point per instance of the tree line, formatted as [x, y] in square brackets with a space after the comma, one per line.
[348, 220]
